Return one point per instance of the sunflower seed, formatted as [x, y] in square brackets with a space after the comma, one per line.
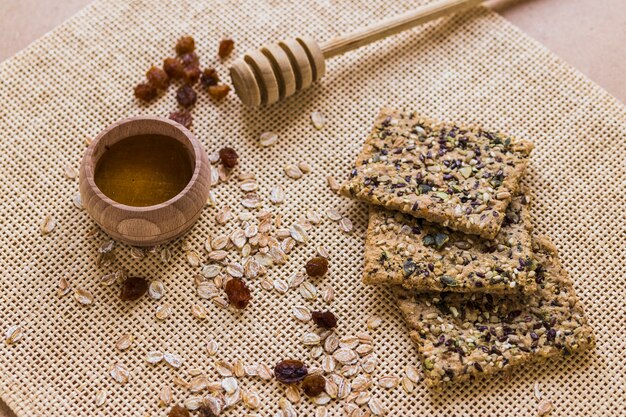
[119, 373]
[154, 356]
[101, 397]
[281, 286]
[412, 373]
[317, 119]
[369, 363]
[376, 407]
[224, 368]
[172, 360]
[277, 194]
[346, 225]
[83, 296]
[301, 313]
[268, 139]
[333, 214]
[199, 312]
[48, 225]
[251, 200]
[230, 385]
[156, 289]
[345, 356]
[13, 334]
[164, 311]
[311, 339]
[165, 396]
[124, 342]
[64, 287]
[373, 322]
[69, 171]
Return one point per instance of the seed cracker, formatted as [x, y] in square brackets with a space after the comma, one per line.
[459, 176]
[466, 336]
[404, 250]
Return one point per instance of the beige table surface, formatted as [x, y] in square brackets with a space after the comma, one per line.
[588, 34]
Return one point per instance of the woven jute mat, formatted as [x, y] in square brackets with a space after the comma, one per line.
[469, 68]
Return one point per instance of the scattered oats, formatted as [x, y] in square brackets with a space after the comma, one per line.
[154, 356]
[172, 360]
[166, 255]
[344, 388]
[219, 243]
[224, 368]
[215, 175]
[268, 139]
[365, 338]
[251, 268]
[287, 408]
[249, 185]
[412, 373]
[281, 286]
[239, 369]
[376, 407]
[224, 215]
[304, 167]
[544, 407]
[328, 293]
[105, 259]
[316, 352]
[345, 356]
[215, 386]
[235, 270]
[287, 245]
[346, 225]
[211, 201]
[211, 270]
[214, 157]
[220, 302]
[317, 119]
[107, 246]
[251, 200]
[321, 399]
[13, 334]
[292, 393]
[223, 173]
[193, 258]
[361, 383]
[186, 246]
[164, 311]
[156, 289]
[331, 343]
[78, 201]
[198, 383]
[321, 411]
[407, 385]
[69, 171]
[199, 312]
[350, 342]
[266, 284]
[83, 297]
[251, 398]
[301, 313]
[212, 347]
[195, 371]
[363, 398]
[137, 253]
[48, 225]
[333, 215]
[119, 373]
[265, 372]
[364, 349]
[207, 290]
[101, 397]
[88, 141]
[124, 342]
[323, 252]
[298, 233]
[296, 279]
[373, 322]
[388, 381]
[536, 390]
[313, 217]
[277, 194]
[63, 287]
[329, 364]
[178, 380]
[311, 339]
[251, 370]
[292, 171]
[230, 384]
[250, 231]
[215, 404]
[193, 403]
[308, 291]
[369, 363]
[283, 233]
[218, 255]
[332, 183]
[165, 396]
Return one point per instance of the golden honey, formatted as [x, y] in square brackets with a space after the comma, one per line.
[144, 170]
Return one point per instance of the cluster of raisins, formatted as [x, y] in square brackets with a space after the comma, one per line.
[185, 67]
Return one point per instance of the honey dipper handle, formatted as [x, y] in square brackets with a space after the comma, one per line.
[361, 37]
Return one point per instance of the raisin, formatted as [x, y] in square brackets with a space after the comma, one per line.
[226, 48]
[316, 267]
[324, 319]
[205, 411]
[237, 292]
[185, 45]
[174, 68]
[191, 75]
[229, 157]
[190, 60]
[158, 78]
[290, 371]
[133, 288]
[183, 117]
[185, 96]
[145, 92]
[313, 385]
[209, 77]
[178, 411]
[218, 92]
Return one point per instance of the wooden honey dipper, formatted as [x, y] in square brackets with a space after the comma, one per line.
[279, 70]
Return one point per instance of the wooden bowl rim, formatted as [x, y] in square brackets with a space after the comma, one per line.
[195, 145]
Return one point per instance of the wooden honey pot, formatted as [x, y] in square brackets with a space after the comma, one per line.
[145, 180]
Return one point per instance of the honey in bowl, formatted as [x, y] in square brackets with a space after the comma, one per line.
[144, 170]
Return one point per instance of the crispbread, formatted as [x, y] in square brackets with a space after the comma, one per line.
[459, 176]
[463, 336]
[419, 255]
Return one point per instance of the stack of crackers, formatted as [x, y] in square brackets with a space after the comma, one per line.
[450, 231]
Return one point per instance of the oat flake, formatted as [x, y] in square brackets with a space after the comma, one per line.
[268, 139]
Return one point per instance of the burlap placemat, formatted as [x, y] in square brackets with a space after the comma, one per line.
[470, 68]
